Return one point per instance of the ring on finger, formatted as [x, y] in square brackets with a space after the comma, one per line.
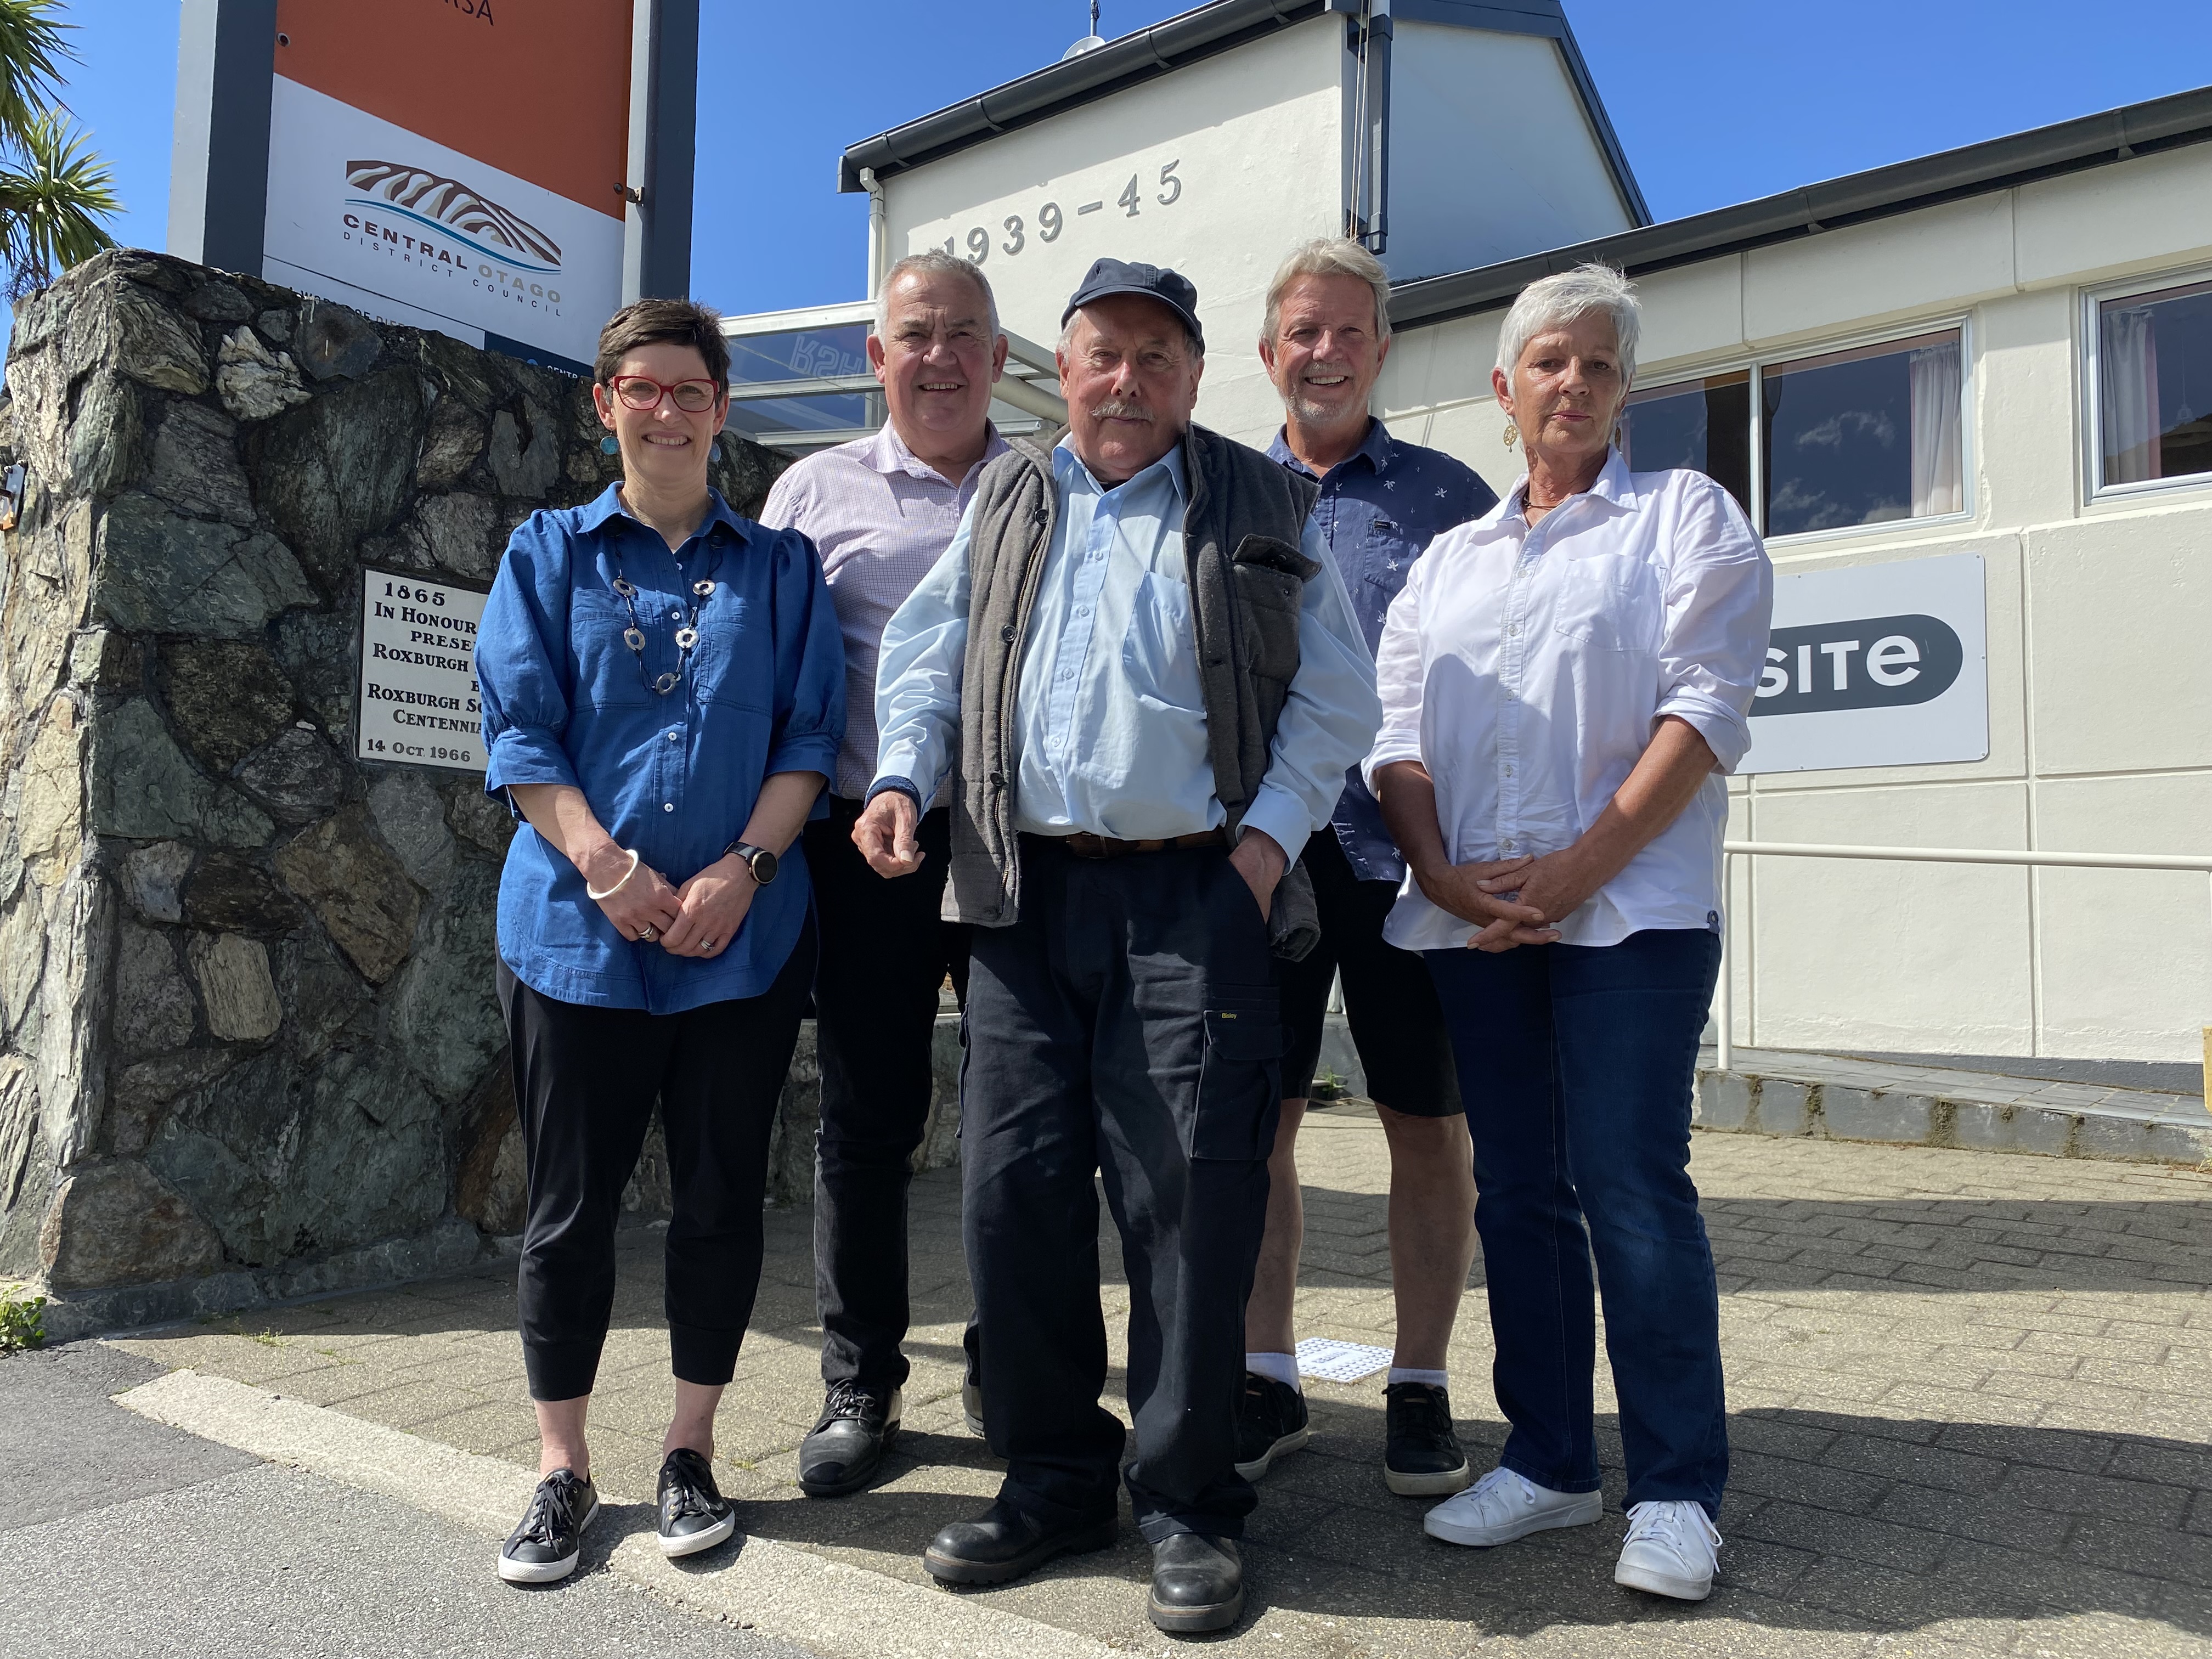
[648, 933]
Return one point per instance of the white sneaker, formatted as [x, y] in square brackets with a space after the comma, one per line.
[1670, 1551]
[1502, 1506]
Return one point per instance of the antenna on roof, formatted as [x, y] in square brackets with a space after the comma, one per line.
[1089, 42]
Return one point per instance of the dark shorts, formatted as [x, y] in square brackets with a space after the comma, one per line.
[1397, 1024]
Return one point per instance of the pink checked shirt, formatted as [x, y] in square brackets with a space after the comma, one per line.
[880, 519]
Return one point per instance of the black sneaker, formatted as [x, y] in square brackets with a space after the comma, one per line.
[1270, 1424]
[543, 1547]
[844, 1448]
[1422, 1456]
[694, 1514]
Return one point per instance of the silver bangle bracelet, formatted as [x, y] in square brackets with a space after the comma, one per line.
[598, 898]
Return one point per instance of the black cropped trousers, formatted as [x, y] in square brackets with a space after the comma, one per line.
[585, 1083]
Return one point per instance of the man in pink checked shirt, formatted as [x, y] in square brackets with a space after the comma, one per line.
[881, 512]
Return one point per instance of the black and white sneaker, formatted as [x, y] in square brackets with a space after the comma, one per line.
[694, 1514]
[544, 1548]
[1270, 1424]
[1421, 1457]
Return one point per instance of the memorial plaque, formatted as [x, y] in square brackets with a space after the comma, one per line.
[418, 673]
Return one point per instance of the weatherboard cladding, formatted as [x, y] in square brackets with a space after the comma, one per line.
[1209, 30]
[2091, 141]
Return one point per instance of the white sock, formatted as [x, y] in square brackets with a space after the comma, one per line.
[1283, 1367]
[1402, 1374]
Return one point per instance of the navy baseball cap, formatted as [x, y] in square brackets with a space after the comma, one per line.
[1170, 287]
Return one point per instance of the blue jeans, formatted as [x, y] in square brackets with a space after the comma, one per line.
[1576, 1064]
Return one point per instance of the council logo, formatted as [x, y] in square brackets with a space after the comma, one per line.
[451, 206]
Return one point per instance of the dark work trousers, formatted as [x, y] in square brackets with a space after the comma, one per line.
[884, 955]
[1127, 1025]
[1577, 1063]
[586, 1081]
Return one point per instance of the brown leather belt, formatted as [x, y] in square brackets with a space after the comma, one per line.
[1085, 845]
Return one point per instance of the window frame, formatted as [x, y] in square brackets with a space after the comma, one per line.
[1895, 334]
[2092, 300]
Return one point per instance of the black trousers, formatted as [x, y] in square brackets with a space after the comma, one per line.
[586, 1081]
[884, 953]
[1127, 1025]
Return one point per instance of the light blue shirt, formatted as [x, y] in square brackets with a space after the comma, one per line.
[1109, 715]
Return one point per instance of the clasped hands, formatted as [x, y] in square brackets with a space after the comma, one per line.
[1510, 901]
[698, 919]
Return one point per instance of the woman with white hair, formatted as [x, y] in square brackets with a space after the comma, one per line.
[1563, 682]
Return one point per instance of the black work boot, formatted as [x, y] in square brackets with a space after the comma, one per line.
[1004, 1542]
[843, 1449]
[1422, 1458]
[1198, 1583]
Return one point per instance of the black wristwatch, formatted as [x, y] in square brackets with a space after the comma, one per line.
[758, 860]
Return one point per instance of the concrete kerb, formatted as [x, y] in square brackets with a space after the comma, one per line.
[840, 1612]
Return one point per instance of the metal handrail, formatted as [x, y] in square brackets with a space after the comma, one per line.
[1731, 850]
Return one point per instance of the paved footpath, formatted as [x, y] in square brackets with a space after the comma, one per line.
[1970, 1395]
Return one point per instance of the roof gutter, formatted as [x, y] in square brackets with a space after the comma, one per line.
[1950, 175]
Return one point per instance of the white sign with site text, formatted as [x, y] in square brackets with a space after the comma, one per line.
[418, 673]
[1875, 664]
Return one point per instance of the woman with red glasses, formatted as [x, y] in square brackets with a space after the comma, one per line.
[664, 693]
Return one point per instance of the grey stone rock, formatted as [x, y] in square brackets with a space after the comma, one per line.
[153, 880]
[229, 891]
[19, 1124]
[23, 956]
[147, 340]
[524, 456]
[160, 573]
[450, 448]
[254, 382]
[456, 530]
[331, 1007]
[319, 652]
[11, 851]
[82, 934]
[40, 614]
[1784, 1108]
[444, 1011]
[114, 1223]
[236, 990]
[340, 468]
[1876, 1115]
[49, 823]
[107, 447]
[361, 892]
[410, 816]
[195, 467]
[277, 325]
[335, 342]
[105, 658]
[140, 1096]
[226, 697]
[295, 776]
[217, 301]
[480, 820]
[145, 788]
[488, 1183]
[153, 1010]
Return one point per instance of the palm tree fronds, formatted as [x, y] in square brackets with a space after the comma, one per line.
[33, 44]
[50, 207]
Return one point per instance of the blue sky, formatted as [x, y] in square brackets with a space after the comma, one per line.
[1715, 100]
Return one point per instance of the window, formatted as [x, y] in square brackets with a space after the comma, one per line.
[1874, 434]
[1701, 425]
[1863, 437]
[2154, 378]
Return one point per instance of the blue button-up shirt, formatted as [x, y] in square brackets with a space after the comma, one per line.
[1380, 508]
[1109, 713]
[675, 777]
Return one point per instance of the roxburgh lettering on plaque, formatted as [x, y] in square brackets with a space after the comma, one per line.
[418, 675]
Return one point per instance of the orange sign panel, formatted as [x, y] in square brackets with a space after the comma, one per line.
[537, 88]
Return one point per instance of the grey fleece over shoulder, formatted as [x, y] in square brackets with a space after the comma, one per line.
[1241, 531]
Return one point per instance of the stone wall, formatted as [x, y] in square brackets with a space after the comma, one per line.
[248, 1045]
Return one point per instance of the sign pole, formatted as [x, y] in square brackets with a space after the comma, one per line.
[219, 156]
[664, 90]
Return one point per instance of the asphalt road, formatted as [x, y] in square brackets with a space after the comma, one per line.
[123, 1537]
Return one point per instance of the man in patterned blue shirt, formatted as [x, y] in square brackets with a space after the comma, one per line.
[1327, 333]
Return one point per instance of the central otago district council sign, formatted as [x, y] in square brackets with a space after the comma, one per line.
[454, 166]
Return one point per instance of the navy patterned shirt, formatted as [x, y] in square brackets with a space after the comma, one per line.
[1380, 508]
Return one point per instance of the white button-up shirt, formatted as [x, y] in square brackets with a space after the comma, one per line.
[1527, 668]
[1109, 715]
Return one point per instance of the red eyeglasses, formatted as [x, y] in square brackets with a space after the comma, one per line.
[641, 391]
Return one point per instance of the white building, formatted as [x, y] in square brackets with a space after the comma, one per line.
[1999, 357]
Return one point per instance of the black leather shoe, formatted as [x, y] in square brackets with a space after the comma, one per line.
[843, 1449]
[1271, 1423]
[694, 1514]
[1421, 1457]
[1198, 1583]
[545, 1547]
[1004, 1542]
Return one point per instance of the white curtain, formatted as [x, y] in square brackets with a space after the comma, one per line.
[2127, 393]
[1938, 484]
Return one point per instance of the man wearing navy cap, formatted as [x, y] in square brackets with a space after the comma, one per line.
[1140, 667]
